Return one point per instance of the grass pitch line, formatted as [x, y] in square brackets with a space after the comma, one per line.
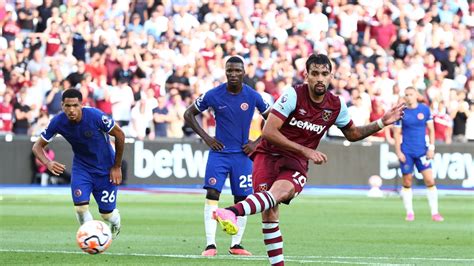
[299, 259]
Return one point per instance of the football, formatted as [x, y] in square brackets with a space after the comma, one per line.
[94, 237]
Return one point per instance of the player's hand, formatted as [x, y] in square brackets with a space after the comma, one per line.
[401, 157]
[395, 114]
[55, 167]
[214, 144]
[250, 147]
[116, 175]
[430, 154]
[315, 156]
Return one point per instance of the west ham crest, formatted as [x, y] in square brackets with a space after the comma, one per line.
[262, 187]
[327, 115]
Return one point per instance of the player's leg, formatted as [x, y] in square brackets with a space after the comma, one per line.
[272, 236]
[210, 225]
[217, 169]
[407, 192]
[424, 167]
[241, 185]
[81, 188]
[105, 194]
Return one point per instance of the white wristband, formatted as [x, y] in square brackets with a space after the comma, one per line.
[431, 147]
[380, 123]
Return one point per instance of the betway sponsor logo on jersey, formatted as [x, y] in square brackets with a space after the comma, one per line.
[307, 125]
[166, 163]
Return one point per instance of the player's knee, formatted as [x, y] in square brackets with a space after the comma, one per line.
[106, 214]
[239, 198]
[82, 208]
[212, 194]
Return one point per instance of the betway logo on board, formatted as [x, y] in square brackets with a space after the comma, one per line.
[306, 125]
[165, 163]
[454, 166]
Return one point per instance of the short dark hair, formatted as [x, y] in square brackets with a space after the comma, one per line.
[318, 59]
[235, 59]
[72, 93]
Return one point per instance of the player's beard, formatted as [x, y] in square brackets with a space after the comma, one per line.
[319, 90]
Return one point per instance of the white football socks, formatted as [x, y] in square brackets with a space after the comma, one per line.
[241, 223]
[113, 218]
[210, 224]
[83, 214]
[432, 195]
[407, 196]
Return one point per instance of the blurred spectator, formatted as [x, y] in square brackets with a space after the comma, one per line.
[141, 118]
[22, 114]
[41, 123]
[6, 113]
[470, 124]
[53, 97]
[459, 122]
[176, 108]
[161, 118]
[121, 98]
[443, 123]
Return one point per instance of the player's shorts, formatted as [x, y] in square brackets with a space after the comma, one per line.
[420, 160]
[104, 191]
[268, 168]
[237, 166]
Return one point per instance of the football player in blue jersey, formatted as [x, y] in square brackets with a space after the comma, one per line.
[412, 149]
[233, 104]
[96, 166]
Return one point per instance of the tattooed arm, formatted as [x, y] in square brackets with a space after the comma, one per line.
[355, 133]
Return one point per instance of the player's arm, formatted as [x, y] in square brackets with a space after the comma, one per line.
[431, 137]
[250, 146]
[116, 171]
[271, 132]
[39, 152]
[190, 118]
[397, 136]
[355, 133]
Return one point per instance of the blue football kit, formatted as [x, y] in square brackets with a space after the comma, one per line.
[414, 146]
[93, 156]
[233, 114]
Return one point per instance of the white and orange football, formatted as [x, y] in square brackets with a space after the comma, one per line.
[94, 237]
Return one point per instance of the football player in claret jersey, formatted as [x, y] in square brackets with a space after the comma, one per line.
[233, 104]
[96, 166]
[295, 125]
[412, 149]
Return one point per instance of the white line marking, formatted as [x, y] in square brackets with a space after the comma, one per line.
[300, 259]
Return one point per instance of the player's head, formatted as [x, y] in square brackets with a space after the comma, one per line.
[318, 73]
[411, 96]
[72, 104]
[234, 71]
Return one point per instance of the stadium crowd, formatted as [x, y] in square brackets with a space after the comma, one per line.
[144, 61]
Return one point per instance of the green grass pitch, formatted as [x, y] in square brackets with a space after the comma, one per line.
[164, 229]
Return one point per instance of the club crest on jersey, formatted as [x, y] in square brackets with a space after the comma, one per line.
[212, 181]
[244, 106]
[302, 111]
[420, 116]
[284, 98]
[77, 193]
[262, 187]
[327, 115]
[88, 133]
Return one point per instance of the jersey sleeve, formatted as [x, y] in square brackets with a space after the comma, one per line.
[106, 123]
[262, 105]
[343, 119]
[202, 102]
[286, 104]
[51, 130]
